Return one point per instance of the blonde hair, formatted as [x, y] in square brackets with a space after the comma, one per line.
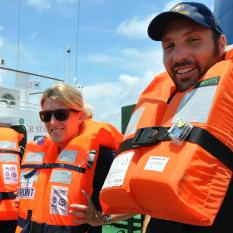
[68, 96]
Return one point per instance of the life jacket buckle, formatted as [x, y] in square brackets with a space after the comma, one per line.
[145, 136]
[179, 131]
[91, 157]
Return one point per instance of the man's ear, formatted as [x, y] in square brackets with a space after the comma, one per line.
[222, 41]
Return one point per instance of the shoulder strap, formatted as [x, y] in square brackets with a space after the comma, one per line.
[103, 165]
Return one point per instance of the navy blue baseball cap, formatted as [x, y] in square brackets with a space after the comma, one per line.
[194, 11]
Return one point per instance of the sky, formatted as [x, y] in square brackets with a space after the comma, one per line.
[101, 46]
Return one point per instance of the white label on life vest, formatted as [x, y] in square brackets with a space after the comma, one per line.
[132, 126]
[34, 157]
[10, 173]
[156, 163]
[59, 200]
[63, 177]
[8, 145]
[26, 193]
[68, 156]
[196, 104]
[118, 170]
[6, 157]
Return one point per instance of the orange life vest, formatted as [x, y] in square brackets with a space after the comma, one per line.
[9, 170]
[188, 182]
[148, 112]
[51, 181]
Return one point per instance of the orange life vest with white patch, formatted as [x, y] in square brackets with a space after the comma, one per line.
[184, 182]
[51, 181]
[9, 170]
[148, 112]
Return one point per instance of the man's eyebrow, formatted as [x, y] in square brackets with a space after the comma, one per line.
[190, 32]
[165, 40]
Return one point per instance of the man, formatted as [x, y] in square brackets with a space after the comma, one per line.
[192, 43]
[158, 176]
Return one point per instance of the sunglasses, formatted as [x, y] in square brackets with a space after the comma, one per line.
[59, 114]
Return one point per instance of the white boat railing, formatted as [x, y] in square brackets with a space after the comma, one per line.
[22, 90]
[23, 105]
[20, 94]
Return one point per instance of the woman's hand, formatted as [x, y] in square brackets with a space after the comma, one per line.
[87, 213]
[16, 199]
[90, 215]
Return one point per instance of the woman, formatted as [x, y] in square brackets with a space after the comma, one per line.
[64, 168]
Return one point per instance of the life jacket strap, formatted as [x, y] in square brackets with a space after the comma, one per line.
[9, 151]
[153, 135]
[50, 166]
[150, 136]
[23, 222]
[212, 145]
[7, 195]
[42, 227]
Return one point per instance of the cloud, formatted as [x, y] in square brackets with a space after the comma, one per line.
[130, 59]
[66, 1]
[101, 58]
[69, 2]
[134, 28]
[170, 4]
[41, 5]
[108, 98]
[95, 1]
[128, 80]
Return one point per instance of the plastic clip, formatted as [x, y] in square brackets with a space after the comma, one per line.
[179, 131]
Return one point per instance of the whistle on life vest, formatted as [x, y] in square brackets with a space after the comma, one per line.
[91, 157]
[179, 131]
[39, 140]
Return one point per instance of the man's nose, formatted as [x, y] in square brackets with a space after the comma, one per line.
[179, 54]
